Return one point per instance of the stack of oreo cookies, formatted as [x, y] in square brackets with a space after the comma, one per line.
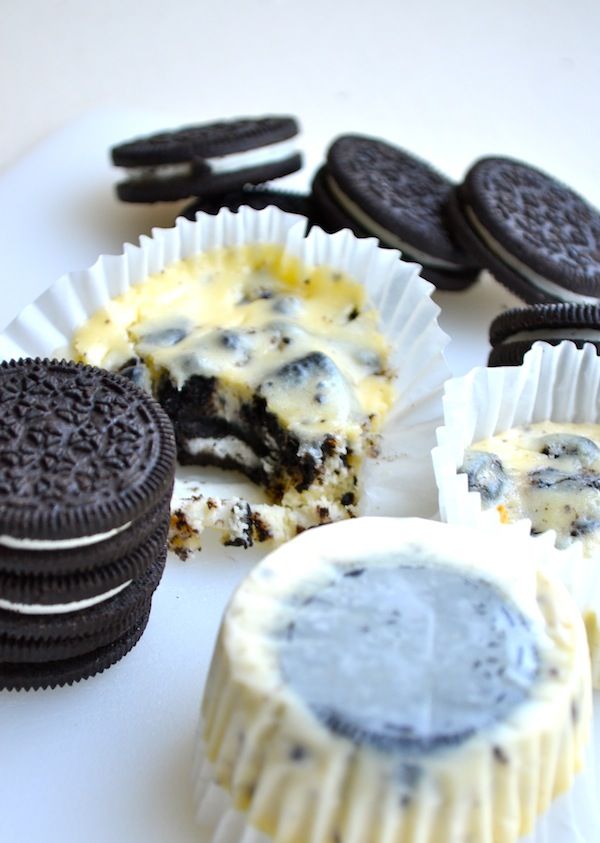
[86, 472]
[219, 164]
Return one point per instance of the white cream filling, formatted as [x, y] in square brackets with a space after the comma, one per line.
[161, 172]
[538, 281]
[226, 447]
[60, 608]
[386, 237]
[59, 544]
[556, 333]
[253, 157]
[222, 164]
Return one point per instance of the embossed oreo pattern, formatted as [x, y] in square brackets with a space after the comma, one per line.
[540, 221]
[211, 140]
[82, 451]
[400, 192]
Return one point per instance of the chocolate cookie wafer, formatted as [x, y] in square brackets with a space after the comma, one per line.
[86, 471]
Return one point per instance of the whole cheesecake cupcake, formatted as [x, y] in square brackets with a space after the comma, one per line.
[380, 680]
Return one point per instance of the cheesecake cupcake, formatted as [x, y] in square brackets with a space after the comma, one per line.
[523, 443]
[312, 364]
[393, 679]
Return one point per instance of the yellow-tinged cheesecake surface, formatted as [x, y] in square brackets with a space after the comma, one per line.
[301, 721]
[552, 477]
[276, 311]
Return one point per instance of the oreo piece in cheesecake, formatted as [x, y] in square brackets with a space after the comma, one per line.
[378, 190]
[535, 235]
[86, 472]
[513, 332]
[214, 158]
[395, 665]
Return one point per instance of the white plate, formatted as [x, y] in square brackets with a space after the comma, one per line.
[109, 759]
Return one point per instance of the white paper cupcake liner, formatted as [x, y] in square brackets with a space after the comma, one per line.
[400, 480]
[558, 383]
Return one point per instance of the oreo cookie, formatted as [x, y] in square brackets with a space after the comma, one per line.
[535, 235]
[209, 159]
[378, 190]
[86, 472]
[513, 332]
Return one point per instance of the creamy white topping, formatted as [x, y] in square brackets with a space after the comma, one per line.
[387, 237]
[59, 544]
[61, 608]
[524, 271]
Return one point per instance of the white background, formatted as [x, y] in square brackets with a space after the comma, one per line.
[108, 760]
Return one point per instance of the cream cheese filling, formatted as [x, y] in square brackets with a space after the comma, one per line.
[59, 544]
[534, 278]
[383, 234]
[219, 165]
[61, 608]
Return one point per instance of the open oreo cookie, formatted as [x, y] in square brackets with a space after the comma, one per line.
[86, 470]
[378, 190]
[535, 235]
[208, 159]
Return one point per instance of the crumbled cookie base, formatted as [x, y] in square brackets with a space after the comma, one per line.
[242, 524]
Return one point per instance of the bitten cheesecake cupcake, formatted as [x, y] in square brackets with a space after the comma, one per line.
[380, 679]
[311, 363]
[523, 443]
